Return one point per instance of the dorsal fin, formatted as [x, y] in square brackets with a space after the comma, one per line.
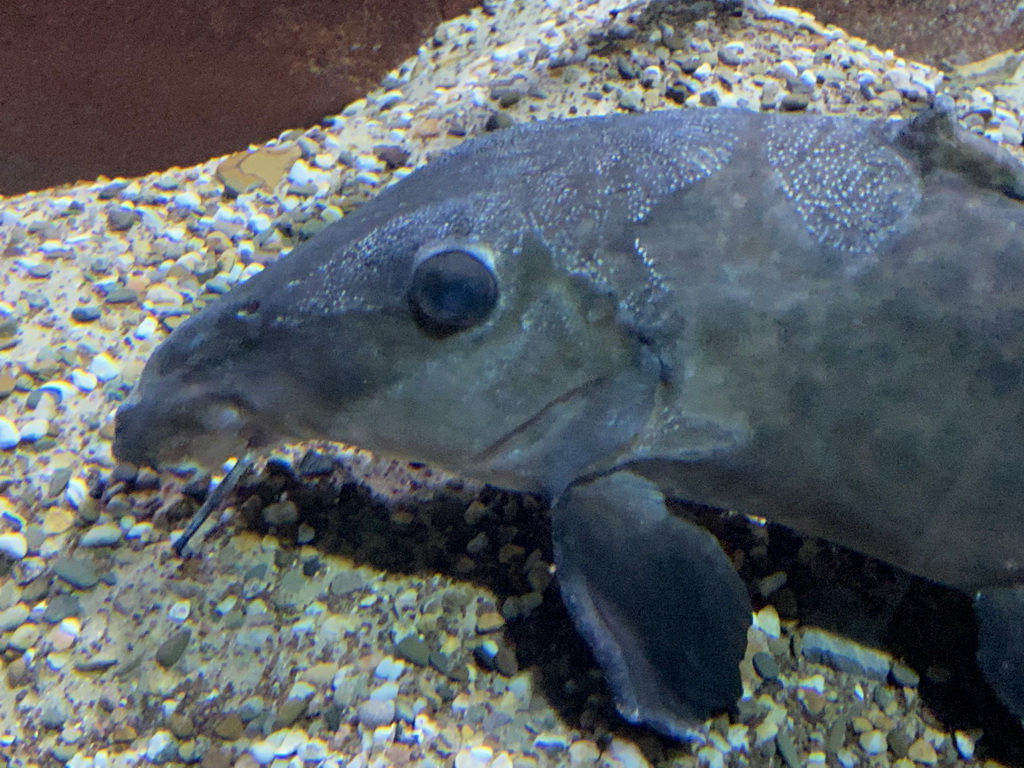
[937, 142]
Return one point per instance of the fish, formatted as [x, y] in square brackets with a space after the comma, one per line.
[810, 319]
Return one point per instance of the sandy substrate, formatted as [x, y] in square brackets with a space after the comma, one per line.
[349, 611]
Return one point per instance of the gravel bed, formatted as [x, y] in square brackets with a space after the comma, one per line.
[350, 611]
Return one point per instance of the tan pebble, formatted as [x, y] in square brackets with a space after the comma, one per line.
[245, 760]
[320, 674]
[24, 637]
[583, 752]
[137, 283]
[229, 728]
[814, 702]
[60, 639]
[923, 753]
[489, 621]
[903, 763]
[58, 520]
[13, 617]
[123, 733]
[861, 724]
[873, 742]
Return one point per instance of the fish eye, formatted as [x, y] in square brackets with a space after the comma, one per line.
[452, 290]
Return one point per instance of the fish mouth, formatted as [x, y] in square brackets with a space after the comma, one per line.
[533, 430]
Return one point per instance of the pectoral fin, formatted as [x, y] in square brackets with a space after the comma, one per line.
[656, 598]
[1000, 613]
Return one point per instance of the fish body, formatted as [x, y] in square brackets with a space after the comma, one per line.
[817, 320]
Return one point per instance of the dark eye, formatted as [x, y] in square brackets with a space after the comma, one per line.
[451, 291]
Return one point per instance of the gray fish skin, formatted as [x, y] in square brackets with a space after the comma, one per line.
[817, 320]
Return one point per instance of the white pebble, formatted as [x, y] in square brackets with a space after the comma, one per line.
[84, 380]
[34, 429]
[146, 328]
[104, 367]
[179, 611]
[75, 492]
[14, 545]
[389, 669]
[10, 435]
[140, 532]
[300, 173]
[58, 389]
[188, 200]
[158, 744]
[964, 744]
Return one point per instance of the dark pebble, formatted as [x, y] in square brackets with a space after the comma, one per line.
[121, 296]
[78, 573]
[415, 650]
[794, 102]
[197, 487]
[58, 481]
[316, 464]
[87, 314]
[904, 675]
[36, 590]
[121, 219]
[391, 155]
[506, 97]
[173, 648]
[98, 664]
[111, 190]
[124, 473]
[678, 91]
[766, 666]
[60, 607]
[497, 121]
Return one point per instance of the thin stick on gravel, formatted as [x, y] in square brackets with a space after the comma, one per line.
[213, 501]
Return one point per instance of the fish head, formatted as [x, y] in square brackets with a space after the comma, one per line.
[434, 324]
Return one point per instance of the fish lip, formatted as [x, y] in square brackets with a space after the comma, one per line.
[493, 451]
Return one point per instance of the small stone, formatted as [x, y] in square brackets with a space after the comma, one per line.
[923, 753]
[872, 742]
[13, 617]
[230, 728]
[289, 712]
[120, 218]
[795, 102]
[121, 295]
[905, 675]
[10, 435]
[14, 545]
[375, 713]
[78, 573]
[766, 666]
[173, 648]
[414, 649]
[489, 621]
[105, 535]
[583, 752]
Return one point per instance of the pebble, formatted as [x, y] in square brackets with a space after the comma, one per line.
[10, 435]
[14, 545]
[105, 535]
[78, 573]
[844, 654]
[84, 380]
[104, 367]
[872, 742]
[35, 429]
[173, 648]
[374, 713]
[13, 617]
